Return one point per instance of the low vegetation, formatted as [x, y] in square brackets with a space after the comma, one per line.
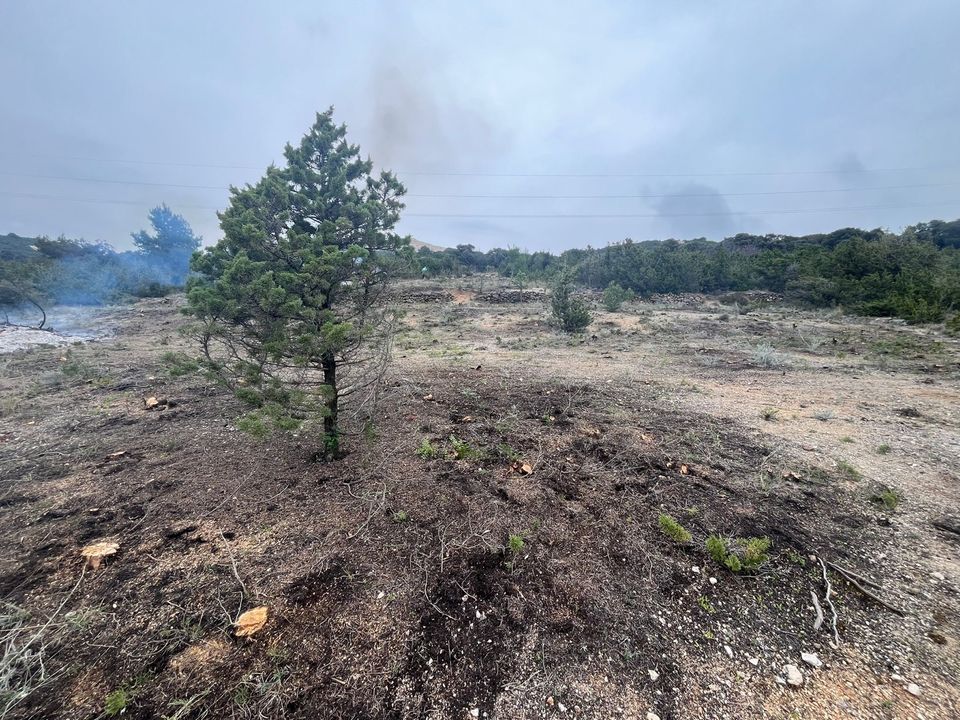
[887, 497]
[462, 450]
[914, 275]
[673, 529]
[615, 296]
[739, 554]
[569, 311]
[427, 450]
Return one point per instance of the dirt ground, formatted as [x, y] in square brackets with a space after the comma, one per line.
[491, 547]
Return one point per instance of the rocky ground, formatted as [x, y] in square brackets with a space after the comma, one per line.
[495, 544]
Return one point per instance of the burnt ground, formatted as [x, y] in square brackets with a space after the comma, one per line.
[392, 587]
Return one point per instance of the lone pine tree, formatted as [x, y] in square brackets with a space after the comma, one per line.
[289, 300]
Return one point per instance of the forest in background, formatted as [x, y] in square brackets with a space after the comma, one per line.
[914, 275]
[38, 272]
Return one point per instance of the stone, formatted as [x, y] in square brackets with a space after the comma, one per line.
[794, 676]
[654, 675]
[811, 659]
[913, 689]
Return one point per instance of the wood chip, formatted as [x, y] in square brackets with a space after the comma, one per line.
[250, 622]
[96, 552]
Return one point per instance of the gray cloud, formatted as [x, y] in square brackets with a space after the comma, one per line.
[539, 99]
[696, 210]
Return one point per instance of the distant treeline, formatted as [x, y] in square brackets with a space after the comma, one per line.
[40, 271]
[914, 275]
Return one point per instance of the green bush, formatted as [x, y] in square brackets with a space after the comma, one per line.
[116, 703]
[615, 296]
[673, 529]
[953, 324]
[179, 364]
[888, 497]
[740, 553]
[570, 312]
[462, 450]
[427, 450]
[153, 290]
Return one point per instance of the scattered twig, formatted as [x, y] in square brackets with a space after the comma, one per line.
[869, 594]
[851, 574]
[816, 604]
[236, 574]
[833, 609]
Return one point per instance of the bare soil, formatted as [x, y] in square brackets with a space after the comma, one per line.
[392, 587]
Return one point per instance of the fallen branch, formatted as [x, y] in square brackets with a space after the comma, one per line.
[816, 604]
[869, 594]
[236, 574]
[850, 574]
[833, 609]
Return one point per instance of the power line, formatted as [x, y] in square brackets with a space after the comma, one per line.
[796, 211]
[458, 173]
[744, 173]
[683, 195]
[121, 161]
[494, 196]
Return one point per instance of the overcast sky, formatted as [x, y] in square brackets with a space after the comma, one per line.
[761, 116]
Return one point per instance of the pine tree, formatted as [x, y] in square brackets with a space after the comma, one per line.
[289, 298]
[168, 250]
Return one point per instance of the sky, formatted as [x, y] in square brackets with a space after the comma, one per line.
[539, 125]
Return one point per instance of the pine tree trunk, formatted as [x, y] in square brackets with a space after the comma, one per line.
[331, 436]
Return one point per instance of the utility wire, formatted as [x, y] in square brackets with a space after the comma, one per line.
[457, 173]
[494, 196]
[796, 211]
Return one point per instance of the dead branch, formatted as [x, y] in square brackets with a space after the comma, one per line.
[833, 609]
[869, 594]
[851, 574]
[816, 604]
[236, 574]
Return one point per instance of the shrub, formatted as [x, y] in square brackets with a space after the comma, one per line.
[717, 547]
[570, 312]
[888, 497]
[765, 356]
[427, 450]
[769, 414]
[884, 449]
[615, 296]
[848, 471]
[953, 325]
[116, 703]
[739, 553]
[153, 290]
[179, 364]
[462, 450]
[674, 530]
